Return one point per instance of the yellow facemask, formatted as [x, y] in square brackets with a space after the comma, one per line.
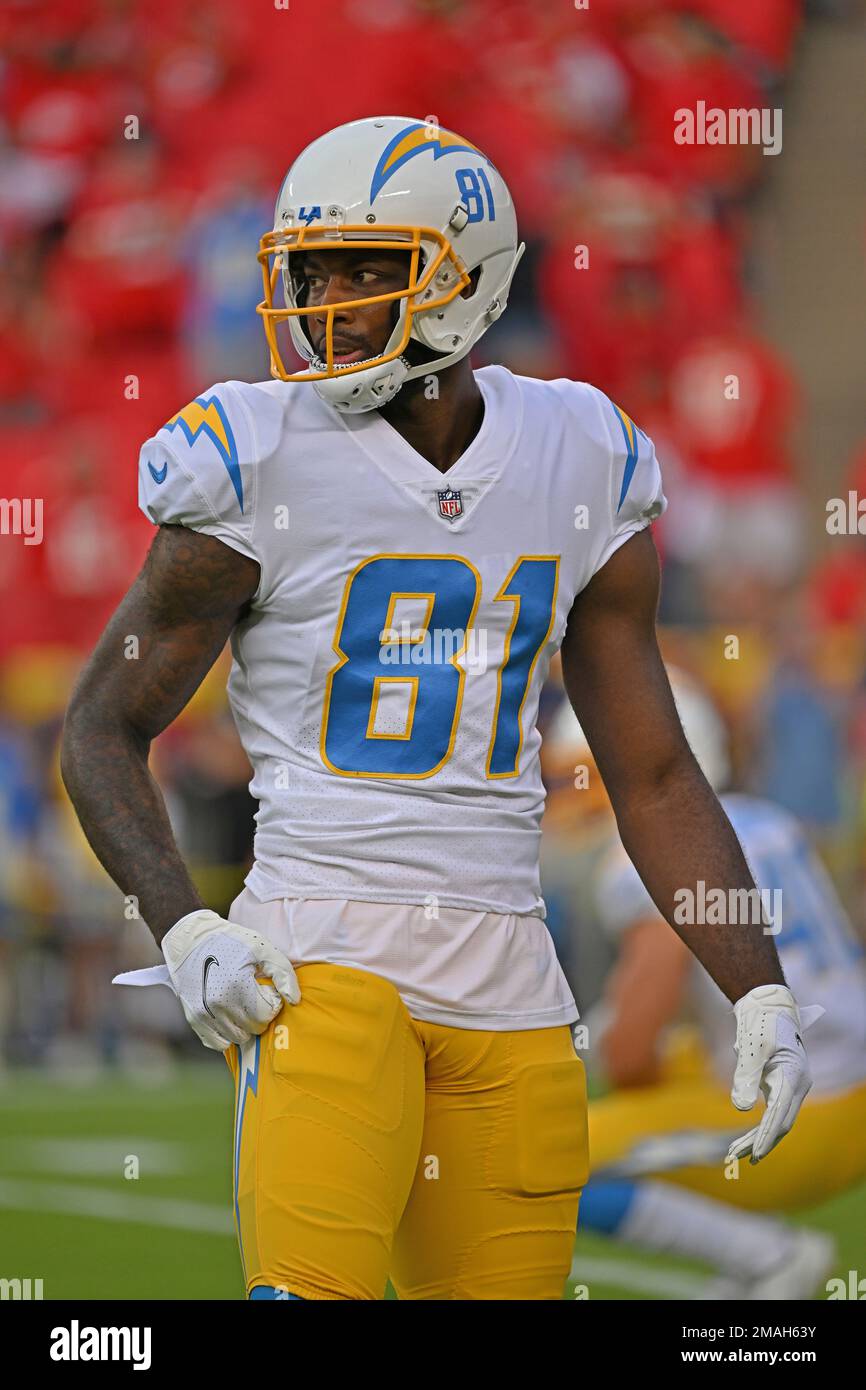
[444, 267]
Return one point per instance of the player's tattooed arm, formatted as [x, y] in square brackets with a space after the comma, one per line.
[181, 609]
[670, 820]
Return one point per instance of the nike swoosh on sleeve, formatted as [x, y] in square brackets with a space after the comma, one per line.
[158, 475]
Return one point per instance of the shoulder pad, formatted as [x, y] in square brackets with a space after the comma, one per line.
[201, 465]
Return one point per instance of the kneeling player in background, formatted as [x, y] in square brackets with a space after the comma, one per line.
[669, 1115]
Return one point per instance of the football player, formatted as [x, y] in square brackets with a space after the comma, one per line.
[396, 545]
[668, 1116]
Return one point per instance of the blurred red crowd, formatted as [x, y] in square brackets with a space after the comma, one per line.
[128, 129]
[141, 147]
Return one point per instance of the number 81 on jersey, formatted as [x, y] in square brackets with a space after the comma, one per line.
[449, 588]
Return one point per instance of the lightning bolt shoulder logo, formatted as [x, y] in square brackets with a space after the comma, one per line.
[206, 415]
[632, 447]
[415, 139]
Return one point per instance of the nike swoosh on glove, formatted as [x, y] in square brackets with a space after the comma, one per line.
[213, 966]
[771, 1058]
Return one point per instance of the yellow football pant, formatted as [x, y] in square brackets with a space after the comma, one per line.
[823, 1154]
[369, 1144]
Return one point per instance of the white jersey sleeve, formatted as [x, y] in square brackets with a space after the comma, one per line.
[201, 469]
[634, 497]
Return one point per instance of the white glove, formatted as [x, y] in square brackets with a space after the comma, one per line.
[770, 1058]
[213, 966]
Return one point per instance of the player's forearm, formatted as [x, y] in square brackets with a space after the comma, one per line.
[123, 815]
[685, 849]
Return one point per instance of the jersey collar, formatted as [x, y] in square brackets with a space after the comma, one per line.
[485, 457]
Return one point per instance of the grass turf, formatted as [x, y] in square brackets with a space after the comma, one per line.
[68, 1192]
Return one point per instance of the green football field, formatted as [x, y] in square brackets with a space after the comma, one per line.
[74, 1214]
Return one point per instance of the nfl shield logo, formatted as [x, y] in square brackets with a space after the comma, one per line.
[450, 504]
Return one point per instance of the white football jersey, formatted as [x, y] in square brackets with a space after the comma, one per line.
[385, 684]
[822, 960]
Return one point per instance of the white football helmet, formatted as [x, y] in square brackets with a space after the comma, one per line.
[385, 183]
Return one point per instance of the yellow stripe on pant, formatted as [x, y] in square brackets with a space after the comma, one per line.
[369, 1144]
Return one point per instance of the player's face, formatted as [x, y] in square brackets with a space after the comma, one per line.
[334, 277]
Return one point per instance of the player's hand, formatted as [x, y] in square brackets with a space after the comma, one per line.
[770, 1058]
[213, 966]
